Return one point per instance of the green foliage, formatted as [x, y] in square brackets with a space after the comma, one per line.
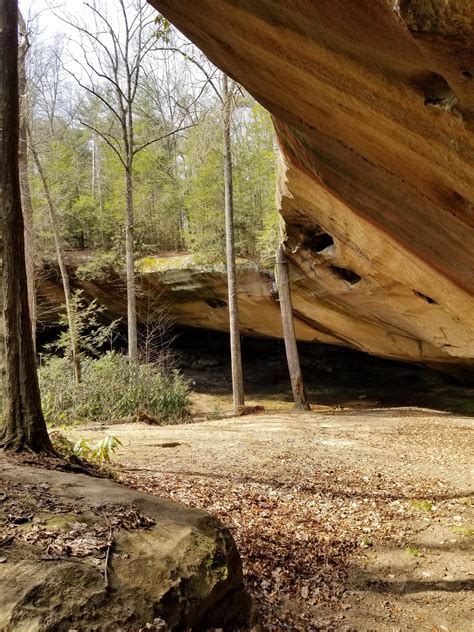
[467, 532]
[94, 451]
[413, 550]
[91, 335]
[422, 505]
[254, 179]
[101, 268]
[111, 389]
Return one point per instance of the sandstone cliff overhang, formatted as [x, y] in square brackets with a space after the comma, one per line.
[373, 104]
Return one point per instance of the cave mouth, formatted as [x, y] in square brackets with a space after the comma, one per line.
[334, 376]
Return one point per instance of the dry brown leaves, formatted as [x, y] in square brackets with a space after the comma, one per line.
[40, 511]
[295, 541]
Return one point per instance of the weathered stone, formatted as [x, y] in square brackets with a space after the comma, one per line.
[373, 103]
[184, 569]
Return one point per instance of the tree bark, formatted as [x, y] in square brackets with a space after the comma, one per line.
[75, 356]
[235, 352]
[26, 203]
[286, 309]
[130, 265]
[23, 422]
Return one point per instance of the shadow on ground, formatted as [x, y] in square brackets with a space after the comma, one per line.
[334, 376]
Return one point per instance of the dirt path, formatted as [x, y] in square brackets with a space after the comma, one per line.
[357, 520]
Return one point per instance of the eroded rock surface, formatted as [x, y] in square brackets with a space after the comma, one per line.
[183, 567]
[373, 104]
[175, 288]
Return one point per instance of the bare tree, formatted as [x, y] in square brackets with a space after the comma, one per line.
[226, 95]
[235, 351]
[114, 51]
[284, 293]
[47, 85]
[24, 426]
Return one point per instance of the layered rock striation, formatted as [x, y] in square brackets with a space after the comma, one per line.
[373, 103]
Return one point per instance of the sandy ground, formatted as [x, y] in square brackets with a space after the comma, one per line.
[346, 520]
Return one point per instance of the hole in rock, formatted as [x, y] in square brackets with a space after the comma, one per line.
[428, 299]
[467, 74]
[318, 241]
[344, 273]
[436, 91]
[312, 238]
[215, 303]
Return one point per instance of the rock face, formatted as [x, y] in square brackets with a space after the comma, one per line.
[176, 288]
[184, 569]
[373, 103]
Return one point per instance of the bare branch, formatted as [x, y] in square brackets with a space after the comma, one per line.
[155, 140]
[104, 137]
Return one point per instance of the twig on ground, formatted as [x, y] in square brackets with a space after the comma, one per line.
[107, 556]
[6, 540]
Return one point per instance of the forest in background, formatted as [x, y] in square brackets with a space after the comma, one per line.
[131, 144]
[178, 186]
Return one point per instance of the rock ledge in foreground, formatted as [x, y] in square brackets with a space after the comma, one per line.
[177, 564]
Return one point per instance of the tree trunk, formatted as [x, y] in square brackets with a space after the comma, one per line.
[235, 353]
[26, 204]
[130, 265]
[75, 356]
[284, 293]
[24, 426]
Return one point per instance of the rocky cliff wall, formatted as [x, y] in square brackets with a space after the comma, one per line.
[373, 104]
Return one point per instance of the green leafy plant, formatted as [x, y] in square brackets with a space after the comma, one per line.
[91, 333]
[111, 389]
[94, 451]
[97, 452]
[413, 550]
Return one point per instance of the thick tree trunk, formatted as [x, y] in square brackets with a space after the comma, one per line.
[26, 203]
[130, 265]
[284, 293]
[235, 352]
[75, 356]
[24, 426]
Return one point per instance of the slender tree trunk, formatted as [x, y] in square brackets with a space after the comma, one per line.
[26, 203]
[130, 265]
[284, 293]
[23, 422]
[235, 352]
[75, 356]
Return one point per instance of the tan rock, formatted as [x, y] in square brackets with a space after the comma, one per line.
[183, 569]
[373, 104]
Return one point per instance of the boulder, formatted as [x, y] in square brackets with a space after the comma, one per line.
[92, 555]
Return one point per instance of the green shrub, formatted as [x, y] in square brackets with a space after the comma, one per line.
[111, 389]
[98, 452]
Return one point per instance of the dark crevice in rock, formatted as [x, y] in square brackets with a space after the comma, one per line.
[314, 239]
[345, 273]
[317, 241]
[436, 91]
[215, 303]
[428, 299]
[467, 74]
